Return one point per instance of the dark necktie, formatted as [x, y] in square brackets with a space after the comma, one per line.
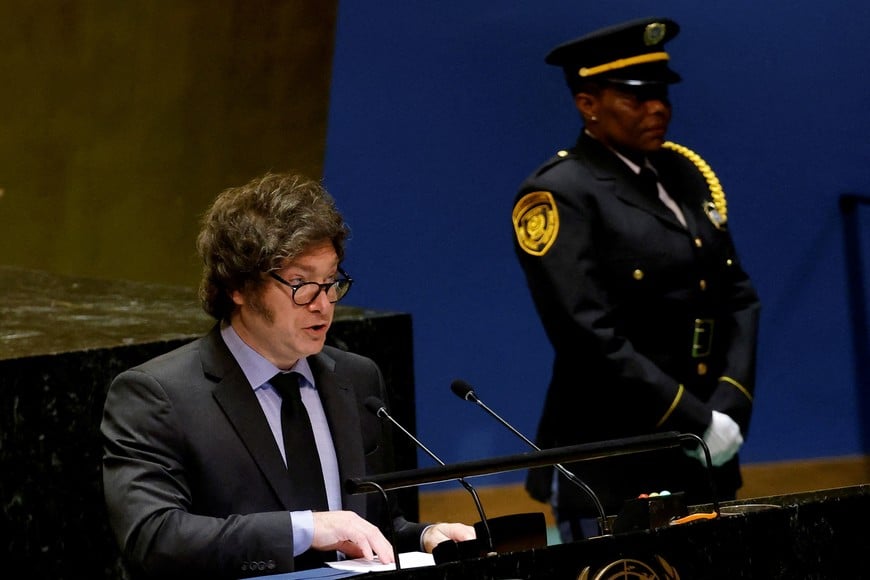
[650, 182]
[650, 185]
[303, 463]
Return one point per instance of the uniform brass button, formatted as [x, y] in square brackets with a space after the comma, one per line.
[637, 274]
[698, 242]
[702, 284]
[729, 262]
[562, 153]
[702, 369]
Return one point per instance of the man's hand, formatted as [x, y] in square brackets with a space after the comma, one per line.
[349, 533]
[723, 439]
[437, 533]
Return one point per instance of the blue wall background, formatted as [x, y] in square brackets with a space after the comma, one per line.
[440, 109]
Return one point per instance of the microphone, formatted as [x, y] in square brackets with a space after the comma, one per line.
[465, 392]
[377, 408]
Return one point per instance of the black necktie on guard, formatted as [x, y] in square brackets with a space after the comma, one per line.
[650, 182]
[300, 449]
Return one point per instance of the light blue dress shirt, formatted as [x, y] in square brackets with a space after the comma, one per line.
[258, 371]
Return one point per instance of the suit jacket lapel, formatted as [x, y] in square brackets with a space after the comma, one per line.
[628, 192]
[342, 414]
[605, 165]
[677, 188]
[240, 405]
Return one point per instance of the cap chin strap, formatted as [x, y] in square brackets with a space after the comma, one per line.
[622, 63]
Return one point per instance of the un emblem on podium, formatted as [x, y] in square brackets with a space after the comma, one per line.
[629, 568]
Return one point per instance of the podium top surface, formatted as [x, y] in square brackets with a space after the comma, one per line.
[43, 313]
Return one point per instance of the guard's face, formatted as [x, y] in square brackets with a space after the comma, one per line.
[632, 120]
[275, 326]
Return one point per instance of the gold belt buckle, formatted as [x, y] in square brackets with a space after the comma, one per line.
[702, 340]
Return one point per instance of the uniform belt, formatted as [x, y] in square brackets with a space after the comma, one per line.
[702, 338]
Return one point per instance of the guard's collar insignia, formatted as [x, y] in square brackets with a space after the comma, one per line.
[714, 216]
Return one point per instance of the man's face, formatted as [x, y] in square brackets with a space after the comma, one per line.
[278, 328]
[632, 120]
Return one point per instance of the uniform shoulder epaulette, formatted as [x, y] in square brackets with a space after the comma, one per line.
[560, 156]
[717, 210]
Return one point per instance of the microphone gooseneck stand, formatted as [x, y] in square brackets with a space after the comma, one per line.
[389, 524]
[377, 407]
[464, 391]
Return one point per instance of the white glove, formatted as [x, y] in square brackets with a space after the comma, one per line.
[723, 439]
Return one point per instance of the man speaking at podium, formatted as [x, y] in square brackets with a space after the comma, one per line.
[225, 458]
[625, 246]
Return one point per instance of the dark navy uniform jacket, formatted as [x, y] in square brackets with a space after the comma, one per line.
[653, 323]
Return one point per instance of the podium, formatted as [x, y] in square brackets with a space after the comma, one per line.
[821, 534]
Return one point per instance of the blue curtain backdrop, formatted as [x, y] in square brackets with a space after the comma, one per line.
[438, 110]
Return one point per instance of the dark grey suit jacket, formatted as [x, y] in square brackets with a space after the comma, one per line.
[194, 482]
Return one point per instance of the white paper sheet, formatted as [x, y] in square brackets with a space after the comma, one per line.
[407, 560]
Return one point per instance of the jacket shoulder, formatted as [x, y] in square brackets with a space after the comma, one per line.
[559, 157]
[345, 361]
[681, 158]
[563, 171]
[686, 162]
[171, 362]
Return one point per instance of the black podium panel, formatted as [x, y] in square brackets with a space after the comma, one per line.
[62, 340]
[816, 535]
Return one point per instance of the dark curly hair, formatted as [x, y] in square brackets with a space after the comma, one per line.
[256, 228]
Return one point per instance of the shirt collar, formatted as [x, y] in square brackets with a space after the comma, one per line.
[631, 164]
[255, 367]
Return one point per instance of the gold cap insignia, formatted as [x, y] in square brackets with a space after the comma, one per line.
[536, 222]
[654, 33]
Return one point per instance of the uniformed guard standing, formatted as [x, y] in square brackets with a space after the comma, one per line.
[625, 246]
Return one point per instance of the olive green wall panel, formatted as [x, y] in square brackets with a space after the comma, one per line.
[121, 120]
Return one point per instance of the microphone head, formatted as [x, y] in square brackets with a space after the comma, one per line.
[375, 405]
[463, 390]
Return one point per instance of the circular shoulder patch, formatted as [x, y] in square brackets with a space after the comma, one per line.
[536, 222]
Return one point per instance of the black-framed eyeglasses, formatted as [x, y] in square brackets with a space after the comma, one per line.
[306, 292]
